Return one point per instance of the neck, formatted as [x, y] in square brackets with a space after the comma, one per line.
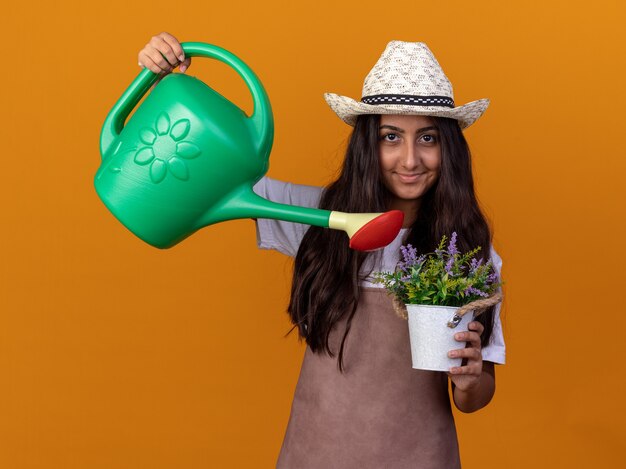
[408, 207]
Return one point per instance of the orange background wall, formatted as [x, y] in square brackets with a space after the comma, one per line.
[114, 354]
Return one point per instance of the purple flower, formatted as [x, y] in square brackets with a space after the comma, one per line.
[452, 250]
[409, 257]
[475, 265]
[449, 266]
[492, 278]
[409, 253]
[475, 291]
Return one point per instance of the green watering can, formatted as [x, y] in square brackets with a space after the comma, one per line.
[188, 158]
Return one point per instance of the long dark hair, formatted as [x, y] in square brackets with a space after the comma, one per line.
[326, 271]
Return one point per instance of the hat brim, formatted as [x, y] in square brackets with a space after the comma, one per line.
[348, 109]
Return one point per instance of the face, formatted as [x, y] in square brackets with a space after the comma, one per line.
[410, 156]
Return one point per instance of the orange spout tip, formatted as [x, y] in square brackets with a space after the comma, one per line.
[379, 232]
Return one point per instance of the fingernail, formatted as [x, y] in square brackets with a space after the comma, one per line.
[181, 57]
[183, 68]
[452, 354]
[459, 336]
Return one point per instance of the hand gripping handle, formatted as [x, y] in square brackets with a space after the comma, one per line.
[262, 118]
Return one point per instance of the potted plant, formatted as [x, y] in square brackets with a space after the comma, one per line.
[436, 290]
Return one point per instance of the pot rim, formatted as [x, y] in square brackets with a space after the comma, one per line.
[412, 306]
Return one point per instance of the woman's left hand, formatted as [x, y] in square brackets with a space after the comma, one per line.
[467, 376]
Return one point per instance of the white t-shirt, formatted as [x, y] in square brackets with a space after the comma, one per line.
[285, 237]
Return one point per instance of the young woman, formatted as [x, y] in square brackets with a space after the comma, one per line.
[358, 402]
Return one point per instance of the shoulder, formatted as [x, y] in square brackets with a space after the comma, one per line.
[284, 236]
[495, 257]
[288, 192]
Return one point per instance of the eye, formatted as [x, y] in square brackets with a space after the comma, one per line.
[429, 138]
[389, 137]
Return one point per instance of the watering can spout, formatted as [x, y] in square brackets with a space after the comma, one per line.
[367, 231]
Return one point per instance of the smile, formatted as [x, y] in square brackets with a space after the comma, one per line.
[408, 178]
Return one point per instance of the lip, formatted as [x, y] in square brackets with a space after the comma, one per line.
[408, 178]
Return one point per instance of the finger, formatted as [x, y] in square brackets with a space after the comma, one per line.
[160, 61]
[185, 65]
[175, 46]
[159, 44]
[469, 336]
[469, 369]
[147, 61]
[470, 353]
[476, 326]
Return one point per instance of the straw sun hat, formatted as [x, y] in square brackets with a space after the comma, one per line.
[407, 79]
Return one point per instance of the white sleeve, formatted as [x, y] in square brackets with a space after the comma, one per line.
[284, 236]
[495, 351]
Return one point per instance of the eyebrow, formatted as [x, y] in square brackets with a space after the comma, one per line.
[401, 131]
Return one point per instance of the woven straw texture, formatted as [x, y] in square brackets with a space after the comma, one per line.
[406, 68]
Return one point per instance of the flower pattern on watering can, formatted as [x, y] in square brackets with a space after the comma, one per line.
[165, 150]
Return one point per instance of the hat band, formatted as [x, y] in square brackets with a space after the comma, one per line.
[408, 99]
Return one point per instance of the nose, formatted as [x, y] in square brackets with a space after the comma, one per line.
[410, 156]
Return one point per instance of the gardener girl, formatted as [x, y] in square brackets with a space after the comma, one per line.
[358, 402]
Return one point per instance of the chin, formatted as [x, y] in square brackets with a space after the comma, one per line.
[409, 194]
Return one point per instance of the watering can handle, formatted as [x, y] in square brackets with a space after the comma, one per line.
[261, 117]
